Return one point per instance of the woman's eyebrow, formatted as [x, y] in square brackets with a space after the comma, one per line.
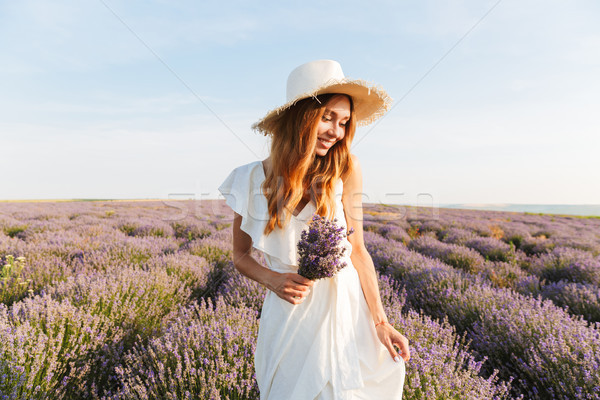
[333, 112]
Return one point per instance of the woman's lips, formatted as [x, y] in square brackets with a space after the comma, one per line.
[326, 143]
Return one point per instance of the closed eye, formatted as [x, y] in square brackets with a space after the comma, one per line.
[327, 118]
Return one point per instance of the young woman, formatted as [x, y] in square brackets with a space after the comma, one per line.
[330, 338]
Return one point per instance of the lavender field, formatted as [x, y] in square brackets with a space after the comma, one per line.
[140, 300]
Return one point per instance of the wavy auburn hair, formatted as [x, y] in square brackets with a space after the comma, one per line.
[295, 167]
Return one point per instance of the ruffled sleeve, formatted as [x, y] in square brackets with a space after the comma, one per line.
[239, 192]
[243, 194]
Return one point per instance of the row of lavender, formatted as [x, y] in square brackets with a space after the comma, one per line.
[532, 255]
[482, 273]
[124, 301]
[116, 301]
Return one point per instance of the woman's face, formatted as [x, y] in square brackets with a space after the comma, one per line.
[332, 126]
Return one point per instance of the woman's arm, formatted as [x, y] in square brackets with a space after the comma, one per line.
[285, 285]
[352, 201]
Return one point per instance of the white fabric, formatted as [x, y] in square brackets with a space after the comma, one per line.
[326, 347]
[311, 76]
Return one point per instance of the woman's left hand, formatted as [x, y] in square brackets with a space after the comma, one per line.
[389, 336]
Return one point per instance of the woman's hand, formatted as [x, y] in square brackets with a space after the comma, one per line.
[389, 336]
[291, 287]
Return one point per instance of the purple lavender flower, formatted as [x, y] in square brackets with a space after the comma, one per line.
[320, 249]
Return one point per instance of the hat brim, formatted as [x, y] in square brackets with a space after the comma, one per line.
[370, 102]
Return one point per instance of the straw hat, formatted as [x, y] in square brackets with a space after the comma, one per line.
[326, 76]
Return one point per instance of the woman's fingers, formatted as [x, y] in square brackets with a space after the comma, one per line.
[296, 299]
[390, 337]
[302, 280]
[292, 287]
[403, 346]
[297, 293]
[392, 350]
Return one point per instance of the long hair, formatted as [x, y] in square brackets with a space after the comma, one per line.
[295, 167]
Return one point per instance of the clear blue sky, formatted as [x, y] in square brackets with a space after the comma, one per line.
[143, 99]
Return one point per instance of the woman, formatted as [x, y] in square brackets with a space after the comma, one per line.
[330, 338]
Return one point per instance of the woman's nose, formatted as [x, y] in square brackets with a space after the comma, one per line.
[336, 131]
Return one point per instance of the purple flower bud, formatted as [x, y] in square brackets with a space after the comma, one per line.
[320, 248]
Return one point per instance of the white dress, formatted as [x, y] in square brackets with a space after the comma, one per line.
[326, 347]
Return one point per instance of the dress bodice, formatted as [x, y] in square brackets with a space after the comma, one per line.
[242, 192]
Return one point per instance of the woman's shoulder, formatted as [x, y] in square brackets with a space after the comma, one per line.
[251, 173]
[243, 179]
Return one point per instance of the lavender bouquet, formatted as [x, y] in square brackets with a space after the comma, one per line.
[320, 250]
